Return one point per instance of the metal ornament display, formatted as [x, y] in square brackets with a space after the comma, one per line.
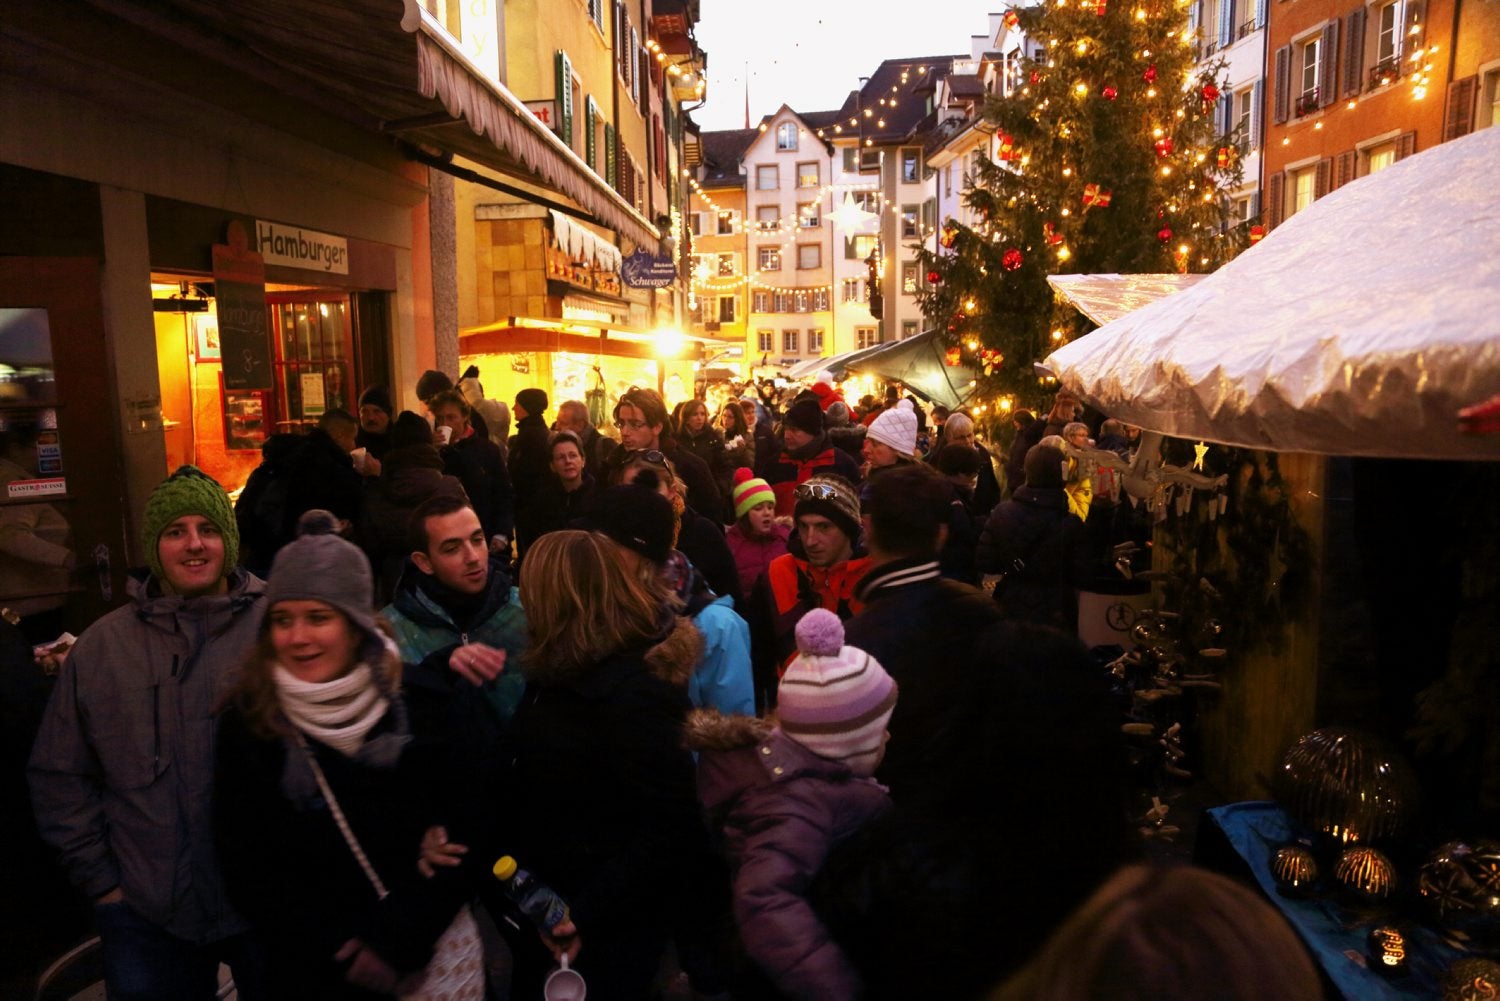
[1460, 884]
[1472, 979]
[1348, 785]
[1366, 873]
[1295, 869]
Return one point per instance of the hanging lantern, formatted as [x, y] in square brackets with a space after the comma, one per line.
[1011, 260]
[1150, 75]
[1164, 234]
[1110, 93]
[1164, 146]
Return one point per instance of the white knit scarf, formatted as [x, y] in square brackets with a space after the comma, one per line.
[338, 713]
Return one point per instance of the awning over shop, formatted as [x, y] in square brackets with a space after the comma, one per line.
[918, 363]
[1103, 298]
[388, 66]
[519, 334]
[1361, 326]
[582, 244]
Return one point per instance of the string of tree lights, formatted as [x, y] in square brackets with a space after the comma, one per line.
[1106, 160]
[860, 190]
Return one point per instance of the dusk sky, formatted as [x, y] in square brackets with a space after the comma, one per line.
[811, 53]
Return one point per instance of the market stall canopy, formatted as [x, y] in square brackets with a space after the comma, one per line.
[1361, 326]
[392, 67]
[918, 363]
[1103, 298]
[812, 366]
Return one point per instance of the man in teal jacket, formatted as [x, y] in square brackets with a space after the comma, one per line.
[455, 603]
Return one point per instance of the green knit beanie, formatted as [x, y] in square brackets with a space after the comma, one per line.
[190, 491]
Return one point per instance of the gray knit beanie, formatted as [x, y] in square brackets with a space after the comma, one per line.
[318, 565]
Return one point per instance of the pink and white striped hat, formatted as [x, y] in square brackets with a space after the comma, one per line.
[835, 700]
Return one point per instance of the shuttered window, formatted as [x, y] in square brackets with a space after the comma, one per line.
[1458, 117]
[1354, 52]
[590, 128]
[564, 85]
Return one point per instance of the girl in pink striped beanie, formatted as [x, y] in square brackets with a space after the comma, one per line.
[835, 700]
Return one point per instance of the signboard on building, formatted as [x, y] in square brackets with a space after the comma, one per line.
[240, 294]
[643, 270]
[294, 247]
[545, 112]
[50, 486]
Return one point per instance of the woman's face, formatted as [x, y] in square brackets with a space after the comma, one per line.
[314, 641]
[749, 412]
[727, 418]
[567, 463]
[696, 418]
[663, 479]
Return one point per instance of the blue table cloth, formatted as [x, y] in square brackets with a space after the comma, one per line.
[1336, 936]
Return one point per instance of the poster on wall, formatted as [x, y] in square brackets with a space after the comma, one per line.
[314, 403]
[240, 293]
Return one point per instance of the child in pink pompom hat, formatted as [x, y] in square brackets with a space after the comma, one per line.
[786, 791]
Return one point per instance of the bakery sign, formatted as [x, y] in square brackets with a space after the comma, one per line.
[295, 247]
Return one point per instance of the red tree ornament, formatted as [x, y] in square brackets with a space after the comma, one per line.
[1257, 233]
[1051, 234]
[948, 235]
[1099, 7]
[1150, 75]
[1007, 147]
[1036, 77]
[1110, 93]
[1096, 197]
[1225, 156]
[1011, 259]
[1210, 93]
[1164, 234]
[933, 278]
[1164, 146]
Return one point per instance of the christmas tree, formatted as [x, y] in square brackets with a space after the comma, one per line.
[1108, 161]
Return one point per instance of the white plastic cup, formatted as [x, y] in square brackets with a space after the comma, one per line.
[563, 984]
[359, 457]
[445, 432]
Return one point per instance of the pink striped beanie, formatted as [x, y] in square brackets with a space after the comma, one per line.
[835, 700]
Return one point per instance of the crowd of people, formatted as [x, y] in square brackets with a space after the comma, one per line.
[728, 684]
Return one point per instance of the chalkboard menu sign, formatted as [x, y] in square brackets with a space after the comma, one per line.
[240, 294]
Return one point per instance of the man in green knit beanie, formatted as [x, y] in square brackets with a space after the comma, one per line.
[122, 770]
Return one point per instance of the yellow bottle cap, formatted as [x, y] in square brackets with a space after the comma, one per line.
[505, 867]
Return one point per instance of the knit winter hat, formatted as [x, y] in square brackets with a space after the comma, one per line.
[750, 490]
[834, 498]
[318, 565]
[835, 700]
[378, 396]
[897, 427]
[805, 415]
[432, 383]
[189, 491]
[410, 429]
[533, 401]
[826, 394]
[1044, 466]
[636, 516]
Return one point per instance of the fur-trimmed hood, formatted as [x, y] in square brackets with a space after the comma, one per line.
[674, 659]
[711, 730]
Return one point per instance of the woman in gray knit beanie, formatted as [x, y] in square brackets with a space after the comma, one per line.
[324, 787]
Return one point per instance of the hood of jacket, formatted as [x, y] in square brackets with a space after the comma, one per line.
[674, 657]
[418, 597]
[670, 656]
[157, 608]
[711, 730]
[1055, 498]
[411, 474]
[753, 753]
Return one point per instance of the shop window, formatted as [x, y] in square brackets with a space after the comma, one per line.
[314, 343]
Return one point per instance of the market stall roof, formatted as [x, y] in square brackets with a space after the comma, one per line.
[389, 66]
[812, 366]
[1103, 298]
[1361, 326]
[516, 334]
[918, 363]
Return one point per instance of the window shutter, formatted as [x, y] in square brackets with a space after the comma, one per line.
[1260, 13]
[590, 127]
[1255, 205]
[635, 78]
[1343, 171]
[1226, 23]
[1458, 120]
[611, 173]
[1328, 86]
[1195, 16]
[1257, 113]
[564, 84]
[1354, 52]
[1281, 108]
[1406, 145]
[1276, 199]
[1323, 178]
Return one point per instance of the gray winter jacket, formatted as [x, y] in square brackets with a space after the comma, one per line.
[122, 769]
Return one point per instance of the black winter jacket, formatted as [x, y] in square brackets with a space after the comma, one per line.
[1038, 546]
[478, 464]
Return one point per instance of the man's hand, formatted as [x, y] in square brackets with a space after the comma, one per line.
[366, 969]
[372, 466]
[437, 850]
[115, 896]
[477, 663]
[562, 941]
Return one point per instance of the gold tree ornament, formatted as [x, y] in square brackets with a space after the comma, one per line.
[1295, 869]
[1366, 873]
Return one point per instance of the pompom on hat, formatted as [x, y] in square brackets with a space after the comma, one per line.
[189, 491]
[896, 427]
[320, 565]
[750, 491]
[835, 700]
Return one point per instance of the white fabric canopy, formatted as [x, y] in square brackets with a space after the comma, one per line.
[1361, 326]
[1103, 298]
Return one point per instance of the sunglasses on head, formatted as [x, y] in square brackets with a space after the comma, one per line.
[816, 491]
[650, 456]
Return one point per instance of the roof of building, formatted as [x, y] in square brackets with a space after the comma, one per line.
[965, 85]
[894, 97]
[723, 152]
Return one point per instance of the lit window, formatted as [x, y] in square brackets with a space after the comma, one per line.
[1377, 158]
[1303, 189]
[786, 135]
[726, 223]
[727, 267]
[769, 258]
[808, 175]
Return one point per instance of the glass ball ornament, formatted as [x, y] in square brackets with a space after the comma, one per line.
[1011, 259]
[1295, 869]
[1164, 234]
[1346, 784]
[934, 278]
[1110, 93]
[1460, 885]
[1472, 978]
[1366, 873]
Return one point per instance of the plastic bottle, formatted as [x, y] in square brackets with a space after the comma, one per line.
[536, 899]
